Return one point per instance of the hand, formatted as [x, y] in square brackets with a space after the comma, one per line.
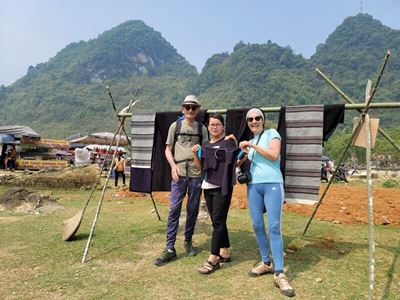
[175, 173]
[244, 145]
[230, 137]
[195, 148]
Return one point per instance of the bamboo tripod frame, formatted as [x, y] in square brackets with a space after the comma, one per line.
[117, 134]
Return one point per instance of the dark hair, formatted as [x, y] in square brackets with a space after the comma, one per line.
[216, 116]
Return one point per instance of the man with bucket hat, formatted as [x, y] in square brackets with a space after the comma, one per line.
[182, 136]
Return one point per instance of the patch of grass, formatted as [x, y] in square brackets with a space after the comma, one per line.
[390, 183]
[331, 261]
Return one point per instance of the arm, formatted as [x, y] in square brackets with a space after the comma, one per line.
[272, 152]
[170, 159]
[241, 161]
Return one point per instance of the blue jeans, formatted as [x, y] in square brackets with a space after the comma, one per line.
[178, 191]
[271, 196]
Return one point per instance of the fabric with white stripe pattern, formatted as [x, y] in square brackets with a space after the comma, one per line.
[304, 136]
[142, 130]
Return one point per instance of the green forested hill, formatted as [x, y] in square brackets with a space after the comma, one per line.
[67, 93]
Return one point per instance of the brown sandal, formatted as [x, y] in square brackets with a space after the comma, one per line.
[209, 267]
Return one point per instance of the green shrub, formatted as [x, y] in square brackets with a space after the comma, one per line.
[390, 183]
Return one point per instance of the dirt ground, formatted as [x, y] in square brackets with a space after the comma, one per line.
[342, 204]
[81, 177]
[19, 199]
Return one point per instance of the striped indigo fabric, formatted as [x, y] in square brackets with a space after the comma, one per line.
[304, 135]
[142, 130]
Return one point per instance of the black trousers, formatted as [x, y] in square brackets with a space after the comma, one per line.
[117, 173]
[218, 207]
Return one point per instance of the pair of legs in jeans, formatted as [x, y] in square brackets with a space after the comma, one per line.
[178, 191]
[218, 207]
[271, 196]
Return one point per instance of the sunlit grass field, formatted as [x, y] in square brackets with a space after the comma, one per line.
[331, 261]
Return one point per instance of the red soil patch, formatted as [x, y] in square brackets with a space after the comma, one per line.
[342, 203]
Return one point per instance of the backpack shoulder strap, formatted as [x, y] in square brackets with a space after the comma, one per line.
[200, 132]
[176, 133]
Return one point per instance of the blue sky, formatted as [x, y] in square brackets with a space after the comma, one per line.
[32, 31]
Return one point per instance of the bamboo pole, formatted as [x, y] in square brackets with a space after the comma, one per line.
[349, 100]
[155, 207]
[383, 105]
[371, 234]
[121, 122]
[371, 96]
[370, 206]
[116, 112]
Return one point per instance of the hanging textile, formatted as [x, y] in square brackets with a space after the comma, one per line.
[142, 130]
[304, 134]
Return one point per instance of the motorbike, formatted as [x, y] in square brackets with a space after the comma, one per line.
[326, 171]
[341, 175]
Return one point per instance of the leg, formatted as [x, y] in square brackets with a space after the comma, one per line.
[256, 207]
[212, 196]
[220, 237]
[224, 212]
[123, 177]
[192, 207]
[273, 199]
[208, 195]
[116, 178]
[178, 191]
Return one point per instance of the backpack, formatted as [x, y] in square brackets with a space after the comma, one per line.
[178, 132]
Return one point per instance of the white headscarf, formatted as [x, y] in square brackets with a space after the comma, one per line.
[255, 110]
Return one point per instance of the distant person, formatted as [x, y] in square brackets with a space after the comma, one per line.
[2, 157]
[182, 136]
[265, 190]
[119, 169]
[11, 162]
[218, 157]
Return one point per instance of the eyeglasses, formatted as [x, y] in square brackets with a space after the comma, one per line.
[249, 120]
[215, 125]
[191, 107]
